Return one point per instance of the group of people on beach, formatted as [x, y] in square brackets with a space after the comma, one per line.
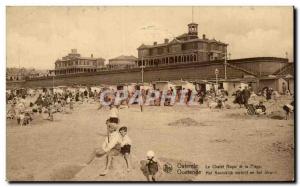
[118, 142]
[23, 106]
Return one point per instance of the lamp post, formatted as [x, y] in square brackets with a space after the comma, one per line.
[142, 68]
[217, 73]
[225, 65]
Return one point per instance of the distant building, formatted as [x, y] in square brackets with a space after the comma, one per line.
[18, 74]
[122, 62]
[15, 74]
[185, 48]
[73, 63]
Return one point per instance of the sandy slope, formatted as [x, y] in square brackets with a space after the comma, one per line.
[56, 150]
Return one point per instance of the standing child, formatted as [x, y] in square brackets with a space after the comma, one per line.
[125, 147]
[71, 104]
[152, 167]
[114, 114]
[50, 111]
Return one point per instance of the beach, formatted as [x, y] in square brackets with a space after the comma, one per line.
[56, 150]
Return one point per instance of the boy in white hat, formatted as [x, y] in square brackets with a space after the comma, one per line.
[153, 166]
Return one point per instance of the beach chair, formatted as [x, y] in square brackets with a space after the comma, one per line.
[250, 109]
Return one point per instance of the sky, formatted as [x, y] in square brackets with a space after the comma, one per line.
[37, 36]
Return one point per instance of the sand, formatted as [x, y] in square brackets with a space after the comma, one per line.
[57, 150]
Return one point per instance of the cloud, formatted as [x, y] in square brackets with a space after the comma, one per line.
[37, 36]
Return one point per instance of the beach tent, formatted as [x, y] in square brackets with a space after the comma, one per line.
[146, 86]
[131, 87]
[163, 85]
[180, 85]
[71, 89]
[58, 90]
[113, 87]
[96, 88]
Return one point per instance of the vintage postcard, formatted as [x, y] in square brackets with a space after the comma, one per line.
[150, 93]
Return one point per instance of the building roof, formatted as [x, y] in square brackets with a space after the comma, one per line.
[124, 57]
[183, 35]
[81, 58]
[287, 69]
[259, 59]
[177, 40]
[90, 58]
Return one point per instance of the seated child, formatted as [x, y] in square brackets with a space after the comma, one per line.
[35, 108]
[125, 146]
[110, 148]
[11, 113]
[260, 108]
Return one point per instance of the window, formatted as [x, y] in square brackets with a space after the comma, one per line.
[160, 50]
[195, 45]
[200, 45]
[220, 47]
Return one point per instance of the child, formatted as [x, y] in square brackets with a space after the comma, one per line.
[288, 108]
[110, 148]
[114, 114]
[50, 112]
[71, 104]
[152, 166]
[125, 146]
[260, 108]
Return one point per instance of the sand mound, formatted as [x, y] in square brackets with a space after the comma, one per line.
[60, 172]
[280, 115]
[186, 122]
[117, 171]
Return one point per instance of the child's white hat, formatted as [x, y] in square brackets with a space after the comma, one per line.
[150, 154]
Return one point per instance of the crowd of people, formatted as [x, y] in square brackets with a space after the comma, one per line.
[23, 106]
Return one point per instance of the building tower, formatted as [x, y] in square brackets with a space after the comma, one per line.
[193, 30]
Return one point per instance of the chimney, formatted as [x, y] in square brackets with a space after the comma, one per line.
[166, 40]
[92, 55]
[203, 37]
[154, 43]
[73, 51]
